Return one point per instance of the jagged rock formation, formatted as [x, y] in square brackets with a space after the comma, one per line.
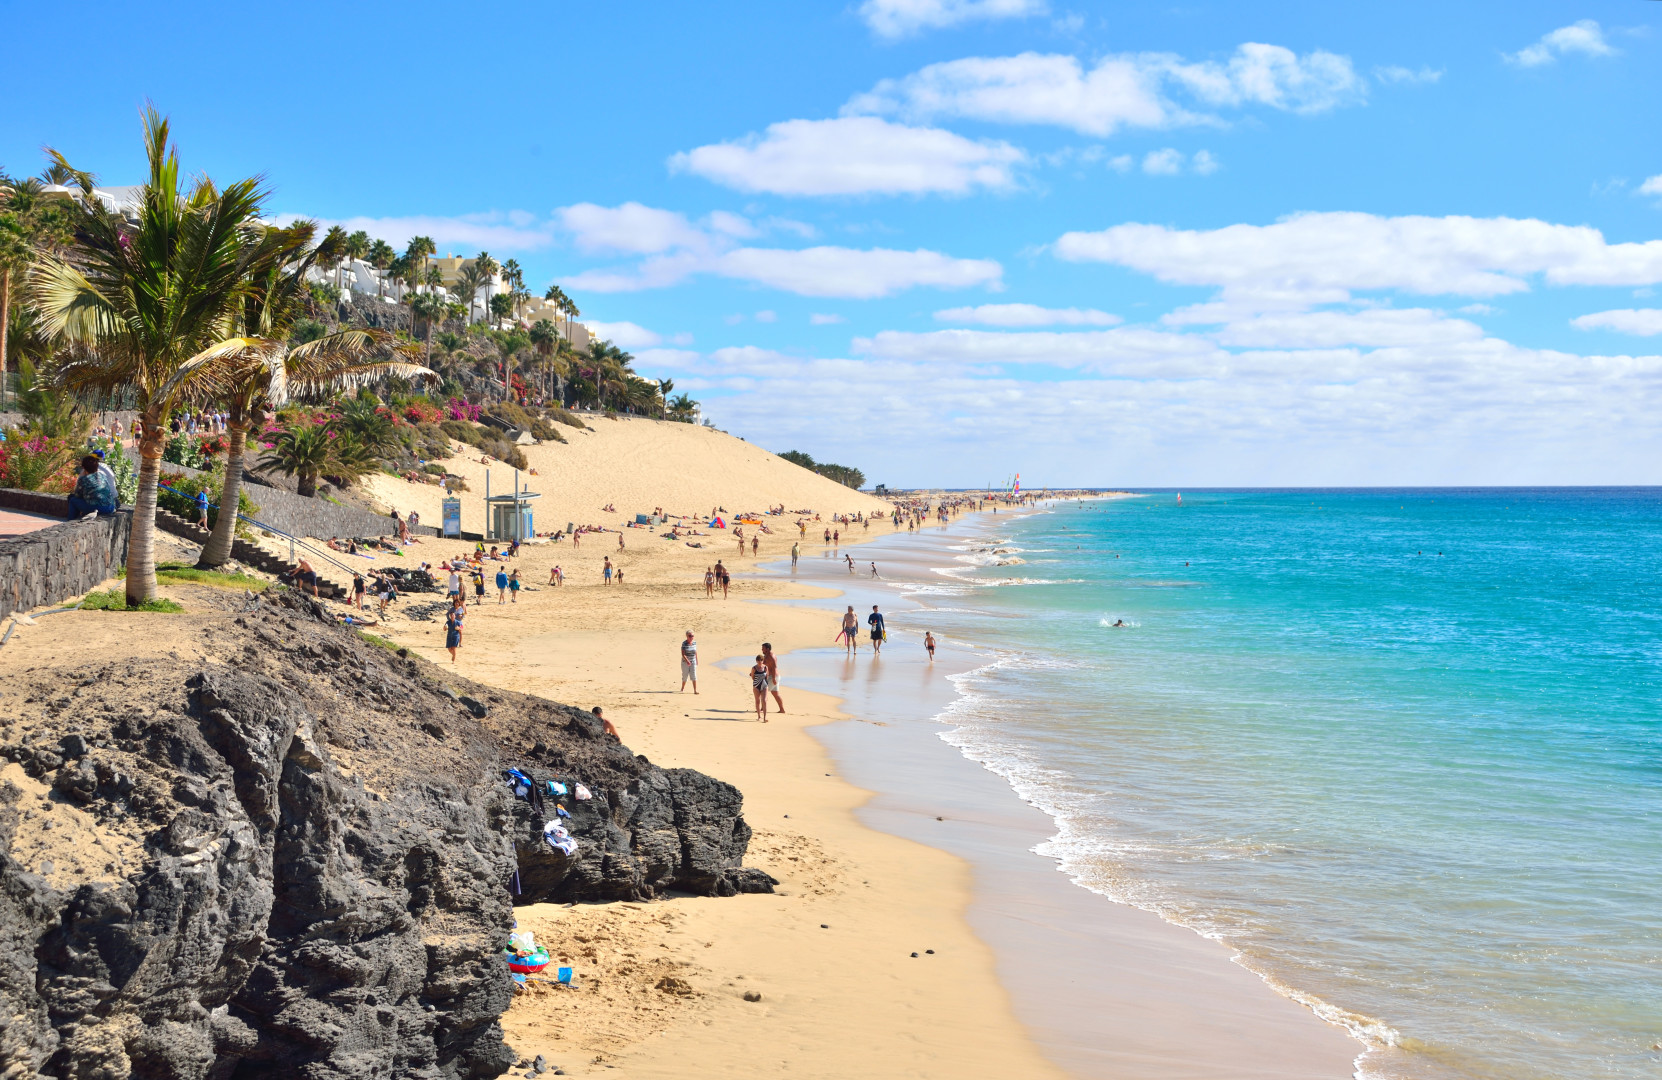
[298, 861]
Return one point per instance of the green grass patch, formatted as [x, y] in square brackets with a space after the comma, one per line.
[116, 600]
[181, 574]
[380, 642]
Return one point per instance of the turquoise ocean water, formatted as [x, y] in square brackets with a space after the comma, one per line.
[1402, 750]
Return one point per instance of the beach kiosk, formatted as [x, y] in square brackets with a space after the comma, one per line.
[510, 515]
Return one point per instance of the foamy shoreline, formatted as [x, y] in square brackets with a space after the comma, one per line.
[1274, 1034]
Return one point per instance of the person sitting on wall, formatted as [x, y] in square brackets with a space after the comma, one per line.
[93, 494]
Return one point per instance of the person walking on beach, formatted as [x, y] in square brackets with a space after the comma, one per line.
[620, 540]
[513, 587]
[358, 589]
[709, 582]
[478, 586]
[929, 644]
[502, 586]
[873, 569]
[759, 687]
[721, 578]
[453, 625]
[689, 663]
[851, 630]
[771, 662]
[606, 571]
[453, 584]
[755, 543]
[796, 549]
[875, 621]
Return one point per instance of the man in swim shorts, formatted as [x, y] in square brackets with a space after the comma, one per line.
[875, 621]
[771, 662]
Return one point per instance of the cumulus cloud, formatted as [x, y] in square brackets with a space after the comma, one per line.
[1645, 322]
[626, 335]
[1167, 162]
[854, 155]
[1378, 327]
[631, 228]
[1027, 315]
[676, 249]
[1585, 37]
[1652, 186]
[819, 319]
[1322, 257]
[902, 18]
[1118, 91]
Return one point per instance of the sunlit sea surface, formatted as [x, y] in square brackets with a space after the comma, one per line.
[1402, 750]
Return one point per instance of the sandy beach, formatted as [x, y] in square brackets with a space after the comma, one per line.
[1104, 990]
[913, 934]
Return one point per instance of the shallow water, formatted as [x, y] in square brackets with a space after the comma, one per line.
[1400, 749]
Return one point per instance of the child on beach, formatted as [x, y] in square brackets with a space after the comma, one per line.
[453, 626]
[929, 643]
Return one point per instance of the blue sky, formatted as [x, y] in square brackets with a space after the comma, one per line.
[948, 240]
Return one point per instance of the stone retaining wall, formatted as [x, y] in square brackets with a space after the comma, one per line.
[317, 517]
[59, 561]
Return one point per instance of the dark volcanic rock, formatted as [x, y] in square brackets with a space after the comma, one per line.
[317, 886]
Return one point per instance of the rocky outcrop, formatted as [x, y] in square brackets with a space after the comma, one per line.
[298, 860]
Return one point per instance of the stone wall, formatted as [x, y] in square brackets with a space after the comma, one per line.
[59, 561]
[305, 516]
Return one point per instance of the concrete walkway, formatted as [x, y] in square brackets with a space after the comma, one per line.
[15, 523]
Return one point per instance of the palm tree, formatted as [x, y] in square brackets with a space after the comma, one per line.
[15, 255]
[502, 307]
[664, 387]
[429, 308]
[157, 303]
[468, 283]
[334, 243]
[357, 246]
[682, 407]
[381, 256]
[301, 450]
[341, 360]
[486, 267]
[417, 251]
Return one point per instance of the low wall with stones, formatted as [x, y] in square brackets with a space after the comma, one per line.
[303, 516]
[59, 561]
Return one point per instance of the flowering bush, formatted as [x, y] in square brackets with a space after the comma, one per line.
[418, 411]
[37, 463]
[195, 452]
[457, 409]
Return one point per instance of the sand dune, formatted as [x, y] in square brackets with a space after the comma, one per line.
[634, 464]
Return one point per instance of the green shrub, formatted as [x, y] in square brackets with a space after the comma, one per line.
[463, 431]
[433, 467]
[504, 451]
[565, 416]
[429, 441]
[116, 600]
[184, 503]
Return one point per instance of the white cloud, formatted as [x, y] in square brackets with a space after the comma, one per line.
[1383, 327]
[1125, 90]
[631, 228]
[1321, 257]
[1204, 163]
[1391, 73]
[626, 335]
[1167, 162]
[817, 319]
[1644, 322]
[469, 233]
[900, 18]
[766, 316]
[1652, 186]
[1479, 309]
[677, 249]
[854, 155]
[1584, 37]
[1027, 315]
[1121, 163]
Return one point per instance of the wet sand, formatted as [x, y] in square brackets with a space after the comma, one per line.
[1105, 989]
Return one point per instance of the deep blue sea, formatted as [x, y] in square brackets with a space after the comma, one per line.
[1401, 749]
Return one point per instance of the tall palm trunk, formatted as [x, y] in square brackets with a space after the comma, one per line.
[217, 551]
[141, 542]
[5, 325]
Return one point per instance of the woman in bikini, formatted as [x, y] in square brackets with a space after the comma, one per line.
[759, 685]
